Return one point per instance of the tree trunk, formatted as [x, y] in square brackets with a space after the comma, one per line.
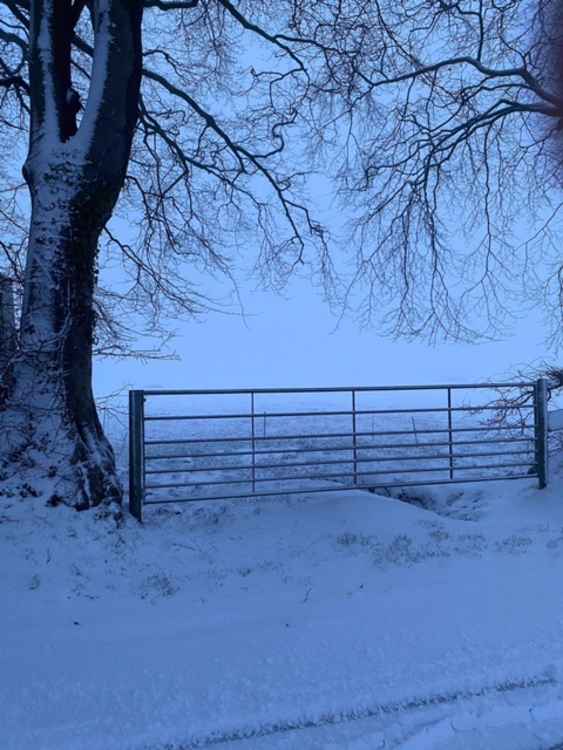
[7, 335]
[55, 430]
[49, 421]
[7, 323]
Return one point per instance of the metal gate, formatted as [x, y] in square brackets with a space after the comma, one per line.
[322, 450]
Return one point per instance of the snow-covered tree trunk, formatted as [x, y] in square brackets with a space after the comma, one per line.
[75, 171]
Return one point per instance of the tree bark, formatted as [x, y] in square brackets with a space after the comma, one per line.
[75, 173]
[7, 335]
[7, 323]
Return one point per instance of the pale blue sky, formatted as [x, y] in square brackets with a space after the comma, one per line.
[290, 341]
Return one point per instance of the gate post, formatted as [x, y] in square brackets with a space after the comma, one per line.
[136, 453]
[450, 438]
[253, 434]
[540, 431]
[354, 439]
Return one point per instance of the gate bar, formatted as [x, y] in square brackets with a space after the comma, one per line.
[329, 476]
[254, 467]
[340, 488]
[335, 449]
[336, 389]
[332, 435]
[340, 413]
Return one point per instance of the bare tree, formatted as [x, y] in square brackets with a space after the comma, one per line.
[448, 119]
[157, 105]
[169, 134]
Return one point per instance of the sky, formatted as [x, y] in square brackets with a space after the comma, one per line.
[292, 340]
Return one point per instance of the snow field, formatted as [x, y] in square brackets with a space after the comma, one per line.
[338, 620]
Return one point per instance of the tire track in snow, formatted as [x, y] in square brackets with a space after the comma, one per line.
[355, 714]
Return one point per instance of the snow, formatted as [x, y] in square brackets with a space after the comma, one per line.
[342, 620]
[103, 39]
[48, 151]
[556, 419]
[49, 131]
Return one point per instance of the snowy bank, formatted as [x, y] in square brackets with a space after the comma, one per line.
[345, 620]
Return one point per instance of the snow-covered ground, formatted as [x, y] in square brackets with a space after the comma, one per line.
[344, 620]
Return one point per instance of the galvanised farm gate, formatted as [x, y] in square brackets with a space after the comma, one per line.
[244, 449]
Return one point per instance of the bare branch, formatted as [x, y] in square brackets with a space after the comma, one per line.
[171, 4]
